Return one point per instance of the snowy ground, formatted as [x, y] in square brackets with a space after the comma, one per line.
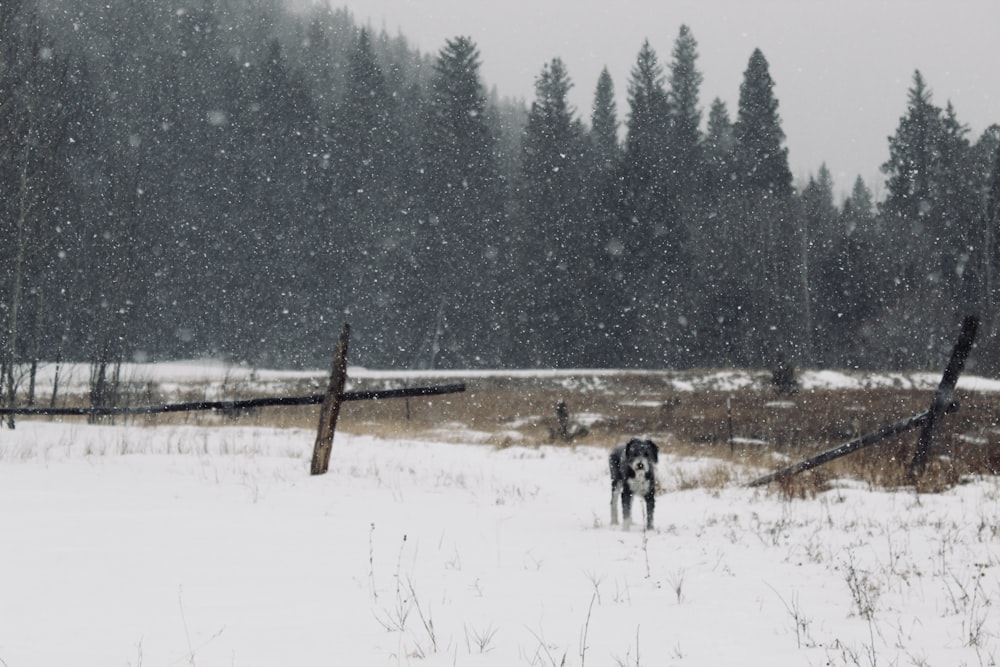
[182, 545]
[219, 377]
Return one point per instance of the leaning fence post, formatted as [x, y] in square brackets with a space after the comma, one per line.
[729, 418]
[941, 405]
[331, 406]
[942, 397]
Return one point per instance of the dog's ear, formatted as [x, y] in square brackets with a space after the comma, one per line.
[654, 450]
[633, 448]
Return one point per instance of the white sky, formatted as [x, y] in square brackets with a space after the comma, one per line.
[841, 68]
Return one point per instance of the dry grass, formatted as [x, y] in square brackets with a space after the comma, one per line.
[755, 427]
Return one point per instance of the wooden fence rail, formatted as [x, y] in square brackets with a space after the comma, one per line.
[329, 399]
[941, 404]
[243, 404]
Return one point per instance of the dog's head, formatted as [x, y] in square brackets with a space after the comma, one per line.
[640, 455]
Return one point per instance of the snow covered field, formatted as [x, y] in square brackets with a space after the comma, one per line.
[191, 545]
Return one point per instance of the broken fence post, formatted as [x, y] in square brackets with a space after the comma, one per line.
[729, 418]
[942, 404]
[843, 450]
[331, 406]
[942, 400]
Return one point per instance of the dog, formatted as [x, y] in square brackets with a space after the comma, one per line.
[633, 473]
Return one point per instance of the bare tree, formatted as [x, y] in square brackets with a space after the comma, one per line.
[116, 283]
[33, 129]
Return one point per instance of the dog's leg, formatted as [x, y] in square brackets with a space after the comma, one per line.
[614, 465]
[616, 488]
[650, 504]
[626, 507]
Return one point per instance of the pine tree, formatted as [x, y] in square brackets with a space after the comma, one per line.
[685, 177]
[465, 210]
[604, 123]
[852, 285]
[958, 202]
[912, 153]
[820, 209]
[932, 198]
[819, 223]
[772, 252]
[363, 131]
[719, 150]
[553, 208]
[762, 160]
[275, 145]
[685, 122]
[647, 147]
[607, 238]
[653, 235]
[859, 208]
[719, 247]
[987, 266]
[907, 209]
[371, 231]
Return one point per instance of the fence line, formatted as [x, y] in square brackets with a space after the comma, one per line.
[941, 405]
[244, 404]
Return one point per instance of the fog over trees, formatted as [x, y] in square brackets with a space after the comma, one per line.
[235, 180]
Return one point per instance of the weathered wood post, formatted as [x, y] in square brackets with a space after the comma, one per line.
[331, 406]
[864, 441]
[942, 400]
[941, 405]
[729, 418]
[562, 418]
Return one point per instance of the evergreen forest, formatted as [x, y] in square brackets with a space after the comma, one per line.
[227, 178]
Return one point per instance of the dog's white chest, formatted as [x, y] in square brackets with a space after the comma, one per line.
[639, 485]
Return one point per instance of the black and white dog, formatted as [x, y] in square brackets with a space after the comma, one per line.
[633, 472]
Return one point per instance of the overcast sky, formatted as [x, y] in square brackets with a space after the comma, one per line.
[841, 68]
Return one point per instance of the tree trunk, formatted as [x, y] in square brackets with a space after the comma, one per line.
[989, 301]
[55, 380]
[807, 315]
[20, 255]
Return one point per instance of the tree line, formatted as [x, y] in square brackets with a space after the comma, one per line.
[232, 179]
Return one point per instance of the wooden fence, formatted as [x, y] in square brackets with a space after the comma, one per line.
[331, 399]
